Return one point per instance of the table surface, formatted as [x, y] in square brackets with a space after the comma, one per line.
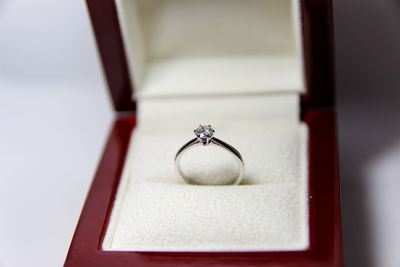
[55, 115]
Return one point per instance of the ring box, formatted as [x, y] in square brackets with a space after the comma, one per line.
[261, 71]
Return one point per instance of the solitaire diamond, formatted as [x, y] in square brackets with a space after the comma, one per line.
[204, 133]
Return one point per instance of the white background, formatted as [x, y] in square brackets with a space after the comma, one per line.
[55, 114]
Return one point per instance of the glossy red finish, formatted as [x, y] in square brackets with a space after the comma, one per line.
[317, 111]
[317, 42]
[318, 45]
[109, 41]
[325, 223]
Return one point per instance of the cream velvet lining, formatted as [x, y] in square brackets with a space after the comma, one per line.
[235, 64]
[154, 211]
[186, 47]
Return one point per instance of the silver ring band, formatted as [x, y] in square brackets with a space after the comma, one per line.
[208, 139]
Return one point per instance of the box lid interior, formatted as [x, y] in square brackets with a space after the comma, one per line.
[191, 48]
[188, 48]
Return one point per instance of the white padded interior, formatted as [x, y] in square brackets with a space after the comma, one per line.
[188, 47]
[235, 64]
[218, 111]
[154, 211]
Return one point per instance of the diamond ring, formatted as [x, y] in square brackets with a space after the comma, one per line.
[204, 137]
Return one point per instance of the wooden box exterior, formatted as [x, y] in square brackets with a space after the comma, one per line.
[324, 205]
[317, 111]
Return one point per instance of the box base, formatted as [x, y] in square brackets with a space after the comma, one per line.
[324, 204]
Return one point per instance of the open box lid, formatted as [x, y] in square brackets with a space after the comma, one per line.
[317, 46]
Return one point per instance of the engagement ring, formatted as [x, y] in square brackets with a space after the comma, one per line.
[204, 137]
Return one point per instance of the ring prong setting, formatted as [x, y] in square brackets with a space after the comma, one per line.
[204, 133]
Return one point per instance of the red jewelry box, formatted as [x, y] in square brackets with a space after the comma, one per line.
[317, 111]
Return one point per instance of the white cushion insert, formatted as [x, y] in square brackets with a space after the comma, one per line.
[154, 211]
